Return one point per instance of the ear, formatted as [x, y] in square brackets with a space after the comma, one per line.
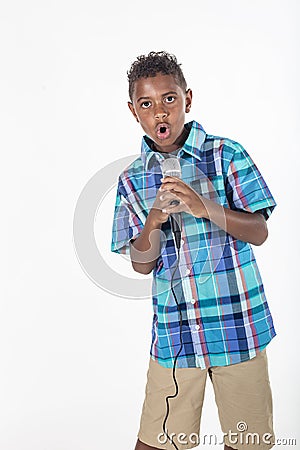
[131, 107]
[188, 100]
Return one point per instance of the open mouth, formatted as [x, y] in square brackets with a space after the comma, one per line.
[163, 131]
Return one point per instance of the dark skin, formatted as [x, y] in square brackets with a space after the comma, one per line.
[160, 100]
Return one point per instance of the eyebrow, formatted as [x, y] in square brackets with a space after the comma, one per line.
[163, 95]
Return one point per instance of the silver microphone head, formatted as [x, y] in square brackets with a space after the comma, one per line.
[171, 167]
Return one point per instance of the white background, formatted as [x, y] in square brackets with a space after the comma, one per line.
[73, 358]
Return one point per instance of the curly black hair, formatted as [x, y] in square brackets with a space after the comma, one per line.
[152, 64]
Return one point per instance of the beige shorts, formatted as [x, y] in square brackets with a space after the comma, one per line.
[243, 397]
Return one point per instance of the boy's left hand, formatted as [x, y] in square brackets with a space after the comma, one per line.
[190, 201]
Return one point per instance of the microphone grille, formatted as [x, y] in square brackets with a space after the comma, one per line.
[171, 167]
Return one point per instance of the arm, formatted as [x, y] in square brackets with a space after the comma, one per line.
[248, 227]
[145, 250]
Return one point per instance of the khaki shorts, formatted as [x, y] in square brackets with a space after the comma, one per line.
[243, 397]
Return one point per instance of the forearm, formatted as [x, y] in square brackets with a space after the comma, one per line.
[248, 227]
[145, 250]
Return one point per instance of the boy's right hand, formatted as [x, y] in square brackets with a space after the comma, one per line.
[157, 216]
[145, 249]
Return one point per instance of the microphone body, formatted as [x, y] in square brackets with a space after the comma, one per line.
[171, 167]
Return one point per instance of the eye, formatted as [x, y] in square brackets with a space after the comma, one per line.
[146, 104]
[170, 99]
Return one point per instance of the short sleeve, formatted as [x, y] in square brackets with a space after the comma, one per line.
[128, 222]
[246, 189]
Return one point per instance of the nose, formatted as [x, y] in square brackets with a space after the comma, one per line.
[160, 113]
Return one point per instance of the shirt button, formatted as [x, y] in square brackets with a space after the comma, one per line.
[187, 272]
[197, 327]
[193, 301]
[182, 241]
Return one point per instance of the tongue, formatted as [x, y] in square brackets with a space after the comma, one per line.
[163, 133]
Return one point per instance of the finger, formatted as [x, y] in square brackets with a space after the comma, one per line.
[165, 216]
[168, 195]
[176, 205]
[171, 186]
[172, 209]
[168, 209]
[173, 201]
[170, 178]
[167, 204]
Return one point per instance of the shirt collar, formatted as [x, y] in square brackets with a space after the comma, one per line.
[192, 146]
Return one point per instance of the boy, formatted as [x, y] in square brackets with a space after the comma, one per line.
[210, 311]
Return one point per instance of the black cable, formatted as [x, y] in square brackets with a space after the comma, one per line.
[176, 357]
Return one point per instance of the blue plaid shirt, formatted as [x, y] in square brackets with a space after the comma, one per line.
[225, 315]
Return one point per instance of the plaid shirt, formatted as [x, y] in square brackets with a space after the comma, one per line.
[225, 315]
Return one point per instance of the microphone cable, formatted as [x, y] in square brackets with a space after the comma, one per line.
[178, 244]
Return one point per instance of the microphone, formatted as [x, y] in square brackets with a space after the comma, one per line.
[171, 167]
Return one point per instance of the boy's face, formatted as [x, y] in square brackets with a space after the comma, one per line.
[159, 104]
